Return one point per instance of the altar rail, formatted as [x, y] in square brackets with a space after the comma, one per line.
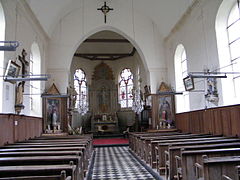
[18, 128]
[222, 120]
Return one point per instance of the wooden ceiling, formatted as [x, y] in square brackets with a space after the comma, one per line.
[106, 56]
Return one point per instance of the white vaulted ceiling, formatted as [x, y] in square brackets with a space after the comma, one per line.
[164, 13]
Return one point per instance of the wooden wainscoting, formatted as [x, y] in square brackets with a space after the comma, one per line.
[18, 128]
[222, 120]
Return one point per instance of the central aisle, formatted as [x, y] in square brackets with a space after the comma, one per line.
[117, 163]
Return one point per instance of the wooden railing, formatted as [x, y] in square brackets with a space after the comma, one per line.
[18, 127]
[222, 120]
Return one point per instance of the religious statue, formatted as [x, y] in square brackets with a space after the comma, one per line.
[54, 119]
[19, 98]
[24, 63]
[103, 101]
[72, 97]
[165, 114]
[20, 88]
[19, 94]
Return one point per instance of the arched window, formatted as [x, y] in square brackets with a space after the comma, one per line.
[228, 42]
[80, 85]
[35, 86]
[233, 29]
[2, 38]
[181, 71]
[126, 88]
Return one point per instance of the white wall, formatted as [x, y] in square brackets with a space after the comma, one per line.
[23, 27]
[196, 31]
[78, 24]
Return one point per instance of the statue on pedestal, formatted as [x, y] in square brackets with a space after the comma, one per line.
[20, 87]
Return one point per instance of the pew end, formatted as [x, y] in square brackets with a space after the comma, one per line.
[179, 167]
[224, 177]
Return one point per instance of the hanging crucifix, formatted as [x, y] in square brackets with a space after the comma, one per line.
[105, 9]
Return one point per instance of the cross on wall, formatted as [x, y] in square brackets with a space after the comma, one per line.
[105, 9]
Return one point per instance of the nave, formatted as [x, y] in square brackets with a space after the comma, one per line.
[117, 162]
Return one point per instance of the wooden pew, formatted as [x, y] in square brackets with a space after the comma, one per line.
[62, 176]
[215, 167]
[190, 158]
[87, 142]
[174, 149]
[45, 160]
[39, 153]
[145, 141]
[51, 146]
[148, 149]
[80, 150]
[134, 138]
[237, 174]
[37, 170]
[155, 154]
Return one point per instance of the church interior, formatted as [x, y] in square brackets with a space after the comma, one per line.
[130, 89]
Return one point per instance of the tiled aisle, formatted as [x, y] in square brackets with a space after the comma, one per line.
[117, 163]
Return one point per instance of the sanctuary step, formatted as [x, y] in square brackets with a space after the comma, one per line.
[107, 142]
[108, 135]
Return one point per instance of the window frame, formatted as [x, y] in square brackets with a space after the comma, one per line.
[129, 94]
[80, 81]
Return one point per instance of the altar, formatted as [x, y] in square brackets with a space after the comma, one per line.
[103, 101]
[105, 123]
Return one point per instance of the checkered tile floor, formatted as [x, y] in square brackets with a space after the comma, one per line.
[118, 163]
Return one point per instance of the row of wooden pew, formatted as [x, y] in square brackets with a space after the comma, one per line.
[188, 156]
[47, 157]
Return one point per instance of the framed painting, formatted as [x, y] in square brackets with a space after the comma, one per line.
[12, 71]
[53, 112]
[188, 83]
[166, 111]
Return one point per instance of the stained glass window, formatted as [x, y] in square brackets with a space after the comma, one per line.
[80, 85]
[126, 88]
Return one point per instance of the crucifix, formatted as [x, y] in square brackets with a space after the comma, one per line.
[20, 87]
[24, 63]
[105, 9]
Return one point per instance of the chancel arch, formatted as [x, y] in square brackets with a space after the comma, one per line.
[107, 58]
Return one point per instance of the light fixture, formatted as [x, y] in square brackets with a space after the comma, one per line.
[40, 77]
[9, 45]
